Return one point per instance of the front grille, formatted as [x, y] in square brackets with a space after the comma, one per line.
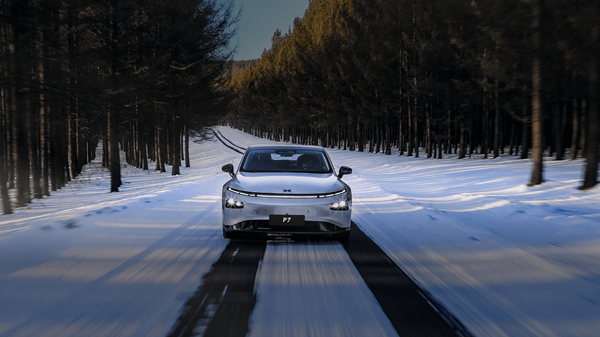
[309, 226]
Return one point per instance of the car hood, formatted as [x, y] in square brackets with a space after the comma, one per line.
[298, 183]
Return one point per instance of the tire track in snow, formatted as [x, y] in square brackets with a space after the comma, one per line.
[229, 146]
[411, 310]
[222, 305]
[230, 142]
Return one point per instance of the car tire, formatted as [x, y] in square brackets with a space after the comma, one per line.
[230, 235]
[343, 237]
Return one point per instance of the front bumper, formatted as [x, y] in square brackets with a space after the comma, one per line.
[254, 216]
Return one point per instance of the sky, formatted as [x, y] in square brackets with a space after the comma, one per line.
[259, 20]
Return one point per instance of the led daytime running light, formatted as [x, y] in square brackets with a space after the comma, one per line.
[286, 196]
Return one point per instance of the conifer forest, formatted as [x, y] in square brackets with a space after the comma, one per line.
[423, 77]
[133, 75]
[431, 77]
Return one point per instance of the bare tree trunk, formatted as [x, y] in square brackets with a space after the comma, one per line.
[593, 120]
[360, 136]
[159, 166]
[378, 138]
[463, 149]
[558, 129]
[187, 146]
[33, 153]
[583, 130]
[3, 155]
[3, 188]
[73, 153]
[429, 141]
[448, 132]
[43, 114]
[69, 69]
[401, 139]
[471, 147]
[143, 151]
[575, 132]
[388, 140]
[401, 142]
[525, 126]
[176, 146]
[181, 143]
[537, 174]
[496, 121]
[511, 145]
[113, 129]
[113, 150]
[163, 146]
[19, 59]
[21, 149]
[372, 141]
[411, 139]
[485, 135]
[416, 131]
[57, 135]
[105, 148]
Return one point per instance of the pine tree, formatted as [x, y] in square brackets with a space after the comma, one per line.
[593, 117]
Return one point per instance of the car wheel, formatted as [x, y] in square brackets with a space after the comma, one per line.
[230, 235]
[343, 237]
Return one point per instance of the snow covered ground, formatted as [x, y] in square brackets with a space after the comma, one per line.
[86, 262]
[504, 258]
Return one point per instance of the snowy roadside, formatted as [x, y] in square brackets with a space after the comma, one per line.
[86, 262]
[90, 191]
[504, 258]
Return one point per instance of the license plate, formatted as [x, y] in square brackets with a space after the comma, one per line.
[286, 220]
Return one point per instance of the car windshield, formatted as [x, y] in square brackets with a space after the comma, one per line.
[287, 160]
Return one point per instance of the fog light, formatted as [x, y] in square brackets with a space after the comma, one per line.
[339, 206]
[234, 204]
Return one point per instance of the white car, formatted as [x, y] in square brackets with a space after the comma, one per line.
[286, 189]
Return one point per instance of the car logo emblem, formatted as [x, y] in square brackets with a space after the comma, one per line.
[284, 190]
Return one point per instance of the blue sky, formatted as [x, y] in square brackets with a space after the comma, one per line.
[258, 22]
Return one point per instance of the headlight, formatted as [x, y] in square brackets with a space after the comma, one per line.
[342, 205]
[234, 204]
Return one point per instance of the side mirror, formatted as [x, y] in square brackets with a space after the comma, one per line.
[229, 169]
[343, 171]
